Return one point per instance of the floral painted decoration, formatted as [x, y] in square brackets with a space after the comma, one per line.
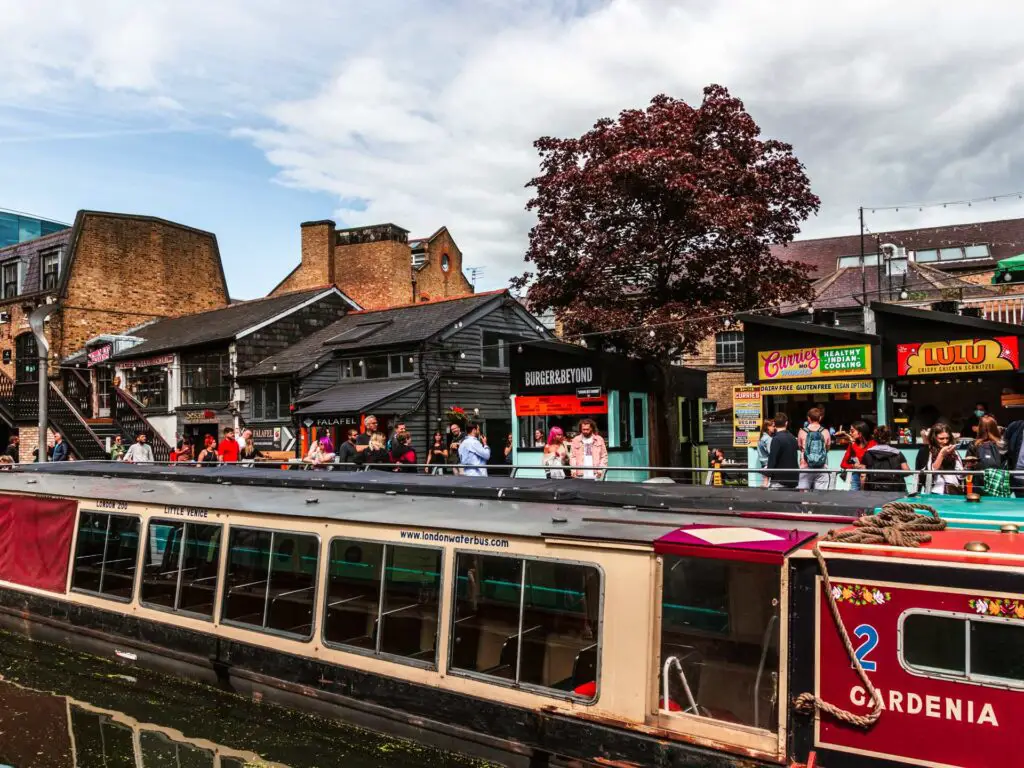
[858, 594]
[998, 606]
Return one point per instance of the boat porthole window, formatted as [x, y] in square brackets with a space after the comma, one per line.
[980, 649]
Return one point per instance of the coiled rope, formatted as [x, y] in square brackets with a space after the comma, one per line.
[899, 524]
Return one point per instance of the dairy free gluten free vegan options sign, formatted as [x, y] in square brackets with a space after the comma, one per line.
[813, 362]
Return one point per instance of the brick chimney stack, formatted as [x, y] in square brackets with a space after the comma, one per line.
[318, 240]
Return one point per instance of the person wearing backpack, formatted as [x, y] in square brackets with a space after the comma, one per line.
[883, 456]
[814, 441]
[988, 451]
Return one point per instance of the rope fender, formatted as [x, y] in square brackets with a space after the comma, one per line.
[899, 524]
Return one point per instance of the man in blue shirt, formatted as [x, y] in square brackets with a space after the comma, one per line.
[474, 453]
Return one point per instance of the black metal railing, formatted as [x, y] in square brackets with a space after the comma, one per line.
[66, 419]
[129, 418]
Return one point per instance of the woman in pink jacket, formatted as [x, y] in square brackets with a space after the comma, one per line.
[588, 450]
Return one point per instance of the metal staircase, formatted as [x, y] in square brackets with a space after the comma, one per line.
[21, 403]
[129, 418]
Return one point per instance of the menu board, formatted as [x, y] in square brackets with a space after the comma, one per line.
[747, 416]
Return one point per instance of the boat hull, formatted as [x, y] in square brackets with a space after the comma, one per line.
[486, 729]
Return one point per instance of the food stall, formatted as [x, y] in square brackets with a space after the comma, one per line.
[820, 366]
[556, 384]
[940, 365]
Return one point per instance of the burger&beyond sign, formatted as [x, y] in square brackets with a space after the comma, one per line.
[814, 362]
[556, 376]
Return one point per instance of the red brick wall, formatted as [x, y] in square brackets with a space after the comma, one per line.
[375, 275]
[127, 270]
[434, 282]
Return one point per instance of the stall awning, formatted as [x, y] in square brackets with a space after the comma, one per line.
[355, 397]
[756, 545]
[1009, 270]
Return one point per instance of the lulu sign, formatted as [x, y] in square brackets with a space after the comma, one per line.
[814, 362]
[966, 356]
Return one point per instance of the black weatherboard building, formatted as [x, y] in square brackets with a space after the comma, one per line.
[179, 379]
[412, 363]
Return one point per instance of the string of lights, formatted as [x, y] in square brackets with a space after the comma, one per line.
[969, 202]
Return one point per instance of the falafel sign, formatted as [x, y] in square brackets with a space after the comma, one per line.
[1000, 353]
[814, 362]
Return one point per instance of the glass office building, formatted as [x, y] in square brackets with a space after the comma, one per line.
[18, 227]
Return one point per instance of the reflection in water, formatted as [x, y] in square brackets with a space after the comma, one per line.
[60, 709]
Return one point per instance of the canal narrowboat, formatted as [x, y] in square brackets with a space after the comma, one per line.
[526, 617]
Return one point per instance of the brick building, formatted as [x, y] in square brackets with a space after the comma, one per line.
[378, 266]
[108, 272]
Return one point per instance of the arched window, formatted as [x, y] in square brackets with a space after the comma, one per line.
[445, 262]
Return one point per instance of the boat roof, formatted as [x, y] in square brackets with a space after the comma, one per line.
[581, 510]
[666, 496]
[987, 513]
[953, 545]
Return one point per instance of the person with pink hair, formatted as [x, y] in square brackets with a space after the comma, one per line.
[556, 457]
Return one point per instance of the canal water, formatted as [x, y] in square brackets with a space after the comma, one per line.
[61, 709]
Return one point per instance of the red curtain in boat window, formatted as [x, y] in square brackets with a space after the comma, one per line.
[35, 540]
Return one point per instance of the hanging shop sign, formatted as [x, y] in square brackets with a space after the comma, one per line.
[814, 362]
[560, 405]
[747, 416]
[147, 362]
[1000, 353]
[817, 387]
[199, 417]
[100, 355]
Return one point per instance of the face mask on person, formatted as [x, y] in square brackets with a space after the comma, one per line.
[979, 413]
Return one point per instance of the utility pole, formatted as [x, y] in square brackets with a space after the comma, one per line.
[35, 322]
[863, 274]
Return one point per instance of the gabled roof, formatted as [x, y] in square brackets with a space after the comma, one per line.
[408, 324]
[79, 225]
[219, 325]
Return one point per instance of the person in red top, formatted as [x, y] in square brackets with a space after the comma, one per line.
[228, 448]
[860, 441]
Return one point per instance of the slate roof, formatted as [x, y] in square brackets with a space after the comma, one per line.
[29, 251]
[406, 324]
[1005, 238]
[355, 396]
[215, 325]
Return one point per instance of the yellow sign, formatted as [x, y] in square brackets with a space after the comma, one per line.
[747, 416]
[817, 387]
[813, 362]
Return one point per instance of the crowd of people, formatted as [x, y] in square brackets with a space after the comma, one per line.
[872, 462]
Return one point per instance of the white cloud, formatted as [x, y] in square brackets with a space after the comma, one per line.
[424, 114]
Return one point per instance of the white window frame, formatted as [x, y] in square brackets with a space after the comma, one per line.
[58, 253]
[18, 270]
[944, 674]
[733, 342]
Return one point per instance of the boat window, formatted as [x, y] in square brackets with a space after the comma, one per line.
[106, 553]
[997, 650]
[271, 580]
[965, 646]
[933, 642]
[383, 599]
[720, 640]
[182, 565]
[531, 622]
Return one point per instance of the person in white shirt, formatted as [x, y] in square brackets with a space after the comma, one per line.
[140, 452]
[244, 435]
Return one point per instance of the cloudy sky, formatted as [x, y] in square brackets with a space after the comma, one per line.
[246, 117]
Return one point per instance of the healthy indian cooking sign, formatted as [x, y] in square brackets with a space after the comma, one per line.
[966, 356]
[814, 362]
